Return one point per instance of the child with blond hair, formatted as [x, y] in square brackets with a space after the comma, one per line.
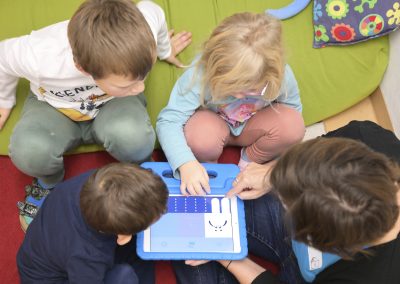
[86, 86]
[238, 92]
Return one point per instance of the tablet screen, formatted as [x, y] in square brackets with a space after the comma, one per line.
[196, 224]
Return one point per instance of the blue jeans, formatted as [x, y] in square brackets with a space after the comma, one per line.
[267, 238]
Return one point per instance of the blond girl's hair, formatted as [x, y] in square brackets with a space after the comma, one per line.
[112, 37]
[243, 53]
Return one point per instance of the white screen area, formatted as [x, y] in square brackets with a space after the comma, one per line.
[196, 224]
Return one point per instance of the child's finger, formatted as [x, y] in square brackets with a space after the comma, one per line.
[175, 61]
[205, 175]
[2, 121]
[4, 114]
[199, 189]
[181, 41]
[206, 186]
[183, 188]
[183, 36]
[191, 189]
[205, 182]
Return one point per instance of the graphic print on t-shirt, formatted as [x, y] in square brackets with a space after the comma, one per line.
[79, 104]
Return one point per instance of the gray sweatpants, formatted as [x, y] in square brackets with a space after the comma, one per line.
[44, 134]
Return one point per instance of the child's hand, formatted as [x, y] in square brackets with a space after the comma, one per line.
[178, 43]
[194, 179]
[4, 114]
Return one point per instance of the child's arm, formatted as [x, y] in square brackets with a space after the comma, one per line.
[16, 60]
[183, 102]
[81, 270]
[290, 94]
[168, 45]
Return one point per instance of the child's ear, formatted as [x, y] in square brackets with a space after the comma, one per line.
[123, 239]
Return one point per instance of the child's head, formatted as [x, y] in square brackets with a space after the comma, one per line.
[112, 38]
[243, 54]
[123, 199]
[339, 194]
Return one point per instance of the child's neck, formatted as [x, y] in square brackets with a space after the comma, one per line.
[394, 232]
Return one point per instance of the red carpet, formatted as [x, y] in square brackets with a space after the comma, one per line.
[12, 183]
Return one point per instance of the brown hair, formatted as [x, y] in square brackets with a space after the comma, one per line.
[122, 198]
[243, 53]
[111, 37]
[340, 195]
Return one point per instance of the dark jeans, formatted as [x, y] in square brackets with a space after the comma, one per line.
[267, 238]
[129, 268]
[121, 274]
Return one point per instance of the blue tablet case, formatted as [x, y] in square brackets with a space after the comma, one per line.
[221, 178]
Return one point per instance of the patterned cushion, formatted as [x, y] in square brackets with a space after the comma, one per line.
[343, 22]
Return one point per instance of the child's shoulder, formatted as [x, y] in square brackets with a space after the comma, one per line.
[289, 74]
[149, 8]
[55, 31]
[146, 4]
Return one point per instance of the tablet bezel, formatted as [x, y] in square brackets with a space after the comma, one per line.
[237, 247]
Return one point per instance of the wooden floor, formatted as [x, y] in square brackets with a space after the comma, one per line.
[371, 108]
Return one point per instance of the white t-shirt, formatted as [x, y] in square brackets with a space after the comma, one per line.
[44, 57]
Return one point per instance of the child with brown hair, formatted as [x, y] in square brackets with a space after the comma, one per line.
[86, 86]
[83, 232]
[239, 92]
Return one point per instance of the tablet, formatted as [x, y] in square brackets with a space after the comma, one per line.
[198, 227]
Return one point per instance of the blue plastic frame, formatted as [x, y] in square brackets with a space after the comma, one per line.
[290, 10]
[220, 183]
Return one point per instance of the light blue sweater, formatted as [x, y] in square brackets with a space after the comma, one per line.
[185, 100]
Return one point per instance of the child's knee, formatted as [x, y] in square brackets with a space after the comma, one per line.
[292, 128]
[207, 147]
[141, 138]
[206, 132]
[33, 150]
[130, 144]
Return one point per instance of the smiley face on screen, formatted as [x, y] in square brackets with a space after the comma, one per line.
[217, 224]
